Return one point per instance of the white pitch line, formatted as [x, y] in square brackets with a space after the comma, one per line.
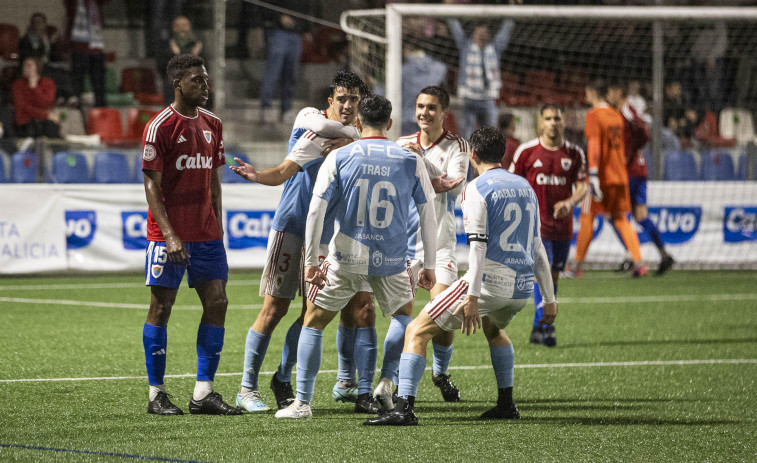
[641, 363]
[100, 286]
[114, 305]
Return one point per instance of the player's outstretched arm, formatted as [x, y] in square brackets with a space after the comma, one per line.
[271, 177]
[314, 120]
[442, 184]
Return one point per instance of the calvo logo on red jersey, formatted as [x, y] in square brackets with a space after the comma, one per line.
[197, 161]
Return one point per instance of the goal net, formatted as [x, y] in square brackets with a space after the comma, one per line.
[690, 72]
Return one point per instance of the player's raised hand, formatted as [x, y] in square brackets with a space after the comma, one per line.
[549, 314]
[245, 170]
[427, 278]
[442, 184]
[315, 276]
[469, 310]
[176, 250]
[335, 143]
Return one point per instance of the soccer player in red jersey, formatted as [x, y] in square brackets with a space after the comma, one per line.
[556, 170]
[608, 178]
[636, 136]
[181, 156]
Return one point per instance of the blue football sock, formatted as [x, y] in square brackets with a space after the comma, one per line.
[309, 352]
[254, 353]
[289, 352]
[209, 347]
[366, 351]
[654, 234]
[345, 349]
[442, 356]
[411, 372]
[503, 360]
[155, 340]
[393, 344]
[539, 303]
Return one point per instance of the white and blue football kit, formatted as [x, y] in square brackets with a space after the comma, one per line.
[501, 217]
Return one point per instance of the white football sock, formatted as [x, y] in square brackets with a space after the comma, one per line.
[202, 389]
[155, 389]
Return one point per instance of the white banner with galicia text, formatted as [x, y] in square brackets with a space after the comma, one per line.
[53, 228]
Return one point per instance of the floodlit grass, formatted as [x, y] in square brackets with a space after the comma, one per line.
[629, 401]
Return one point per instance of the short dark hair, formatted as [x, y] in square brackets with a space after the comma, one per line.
[179, 65]
[619, 84]
[441, 95]
[374, 111]
[551, 106]
[348, 80]
[505, 120]
[598, 85]
[489, 144]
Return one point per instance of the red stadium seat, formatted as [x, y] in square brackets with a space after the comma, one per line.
[542, 84]
[107, 123]
[141, 81]
[9, 36]
[137, 120]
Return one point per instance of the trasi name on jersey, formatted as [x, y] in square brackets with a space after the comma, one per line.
[370, 169]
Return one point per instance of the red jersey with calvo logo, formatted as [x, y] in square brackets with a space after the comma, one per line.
[185, 150]
[552, 174]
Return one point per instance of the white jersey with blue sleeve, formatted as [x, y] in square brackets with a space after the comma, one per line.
[502, 210]
[315, 120]
[371, 184]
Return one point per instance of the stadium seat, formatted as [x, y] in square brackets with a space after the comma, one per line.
[24, 167]
[3, 168]
[138, 175]
[737, 123]
[716, 166]
[113, 94]
[70, 168]
[228, 175]
[141, 81]
[9, 36]
[680, 166]
[110, 167]
[71, 122]
[107, 123]
[137, 120]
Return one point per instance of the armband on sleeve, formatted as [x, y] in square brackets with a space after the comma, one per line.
[477, 237]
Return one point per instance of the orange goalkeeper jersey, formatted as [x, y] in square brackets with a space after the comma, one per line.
[605, 152]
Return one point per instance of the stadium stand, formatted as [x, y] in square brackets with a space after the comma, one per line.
[107, 123]
[111, 167]
[142, 82]
[680, 166]
[70, 167]
[9, 37]
[136, 121]
[71, 122]
[3, 163]
[24, 167]
[716, 166]
[737, 123]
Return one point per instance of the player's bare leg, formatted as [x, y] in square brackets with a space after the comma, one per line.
[281, 380]
[503, 361]
[393, 343]
[442, 345]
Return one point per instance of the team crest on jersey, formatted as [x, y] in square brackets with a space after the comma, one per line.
[208, 135]
[566, 163]
[149, 153]
[377, 258]
[156, 271]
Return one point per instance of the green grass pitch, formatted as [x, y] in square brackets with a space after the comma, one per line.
[659, 369]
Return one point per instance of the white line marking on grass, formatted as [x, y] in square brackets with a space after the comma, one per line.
[640, 363]
[665, 298]
[101, 286]
[114, 305]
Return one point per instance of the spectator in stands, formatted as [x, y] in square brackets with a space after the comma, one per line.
[159, 14]
[7, 139]
[479, 75]
[678, 115]
[284, 36]
[706, 73]
[43, 42]
[418, 72]
[181, 41]
[85, 30]
[637, 100]
[34, 98]
[506, 124]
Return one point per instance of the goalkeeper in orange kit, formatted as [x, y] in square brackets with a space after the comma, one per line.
[608, 178]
